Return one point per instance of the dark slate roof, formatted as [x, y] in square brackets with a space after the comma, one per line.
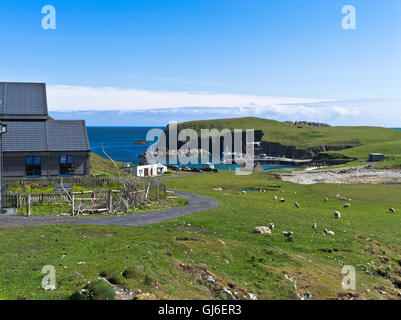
[67, 135]
[20, 100]
[25, 136]
[50, 135]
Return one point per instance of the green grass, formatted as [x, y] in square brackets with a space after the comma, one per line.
[390, 162]
[387, 147]
[101, 166]
[367, 237]
[350, 164]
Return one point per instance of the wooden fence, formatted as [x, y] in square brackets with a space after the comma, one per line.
[10, 201]
[155, 189]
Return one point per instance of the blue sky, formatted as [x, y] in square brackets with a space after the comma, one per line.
[144, 61]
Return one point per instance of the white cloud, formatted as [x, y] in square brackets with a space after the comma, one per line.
[345, 112]
[79, 98]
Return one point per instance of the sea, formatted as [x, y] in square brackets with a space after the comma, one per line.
[120, 144]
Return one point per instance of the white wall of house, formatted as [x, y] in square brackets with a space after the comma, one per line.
[149, 170]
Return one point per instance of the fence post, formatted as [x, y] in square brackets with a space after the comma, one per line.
[73, 204]
[110, 198]
[157, 191]
[28, 205]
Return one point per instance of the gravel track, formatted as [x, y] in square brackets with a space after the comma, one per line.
[197, 203]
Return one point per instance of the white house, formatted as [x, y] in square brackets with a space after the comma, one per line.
[149, 170]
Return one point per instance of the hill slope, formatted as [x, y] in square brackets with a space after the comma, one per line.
[367, 139]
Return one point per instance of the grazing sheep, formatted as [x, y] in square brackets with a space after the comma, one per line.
[347, 205]
[326, 199]
[349, 199]
[262, 230]
[392, 210]
[337, 214]
[271, 226]
[296, 204]
[287, 233]
[314, 226]
[329, 233]
[282, 199]
[295, 192]
[282, 191]
[275, 198]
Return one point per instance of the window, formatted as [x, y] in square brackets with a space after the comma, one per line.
[33, 166]
[67, 165]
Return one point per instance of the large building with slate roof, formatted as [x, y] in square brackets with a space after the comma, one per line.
[34, 144]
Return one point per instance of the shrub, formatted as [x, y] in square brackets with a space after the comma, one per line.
[96, 290]
[130, 273]
[113, 278]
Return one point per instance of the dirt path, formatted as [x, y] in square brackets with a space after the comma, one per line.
[197, 203]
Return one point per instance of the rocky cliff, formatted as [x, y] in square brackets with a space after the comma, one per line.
[274, 148]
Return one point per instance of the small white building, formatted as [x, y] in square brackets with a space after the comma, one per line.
[149, 170]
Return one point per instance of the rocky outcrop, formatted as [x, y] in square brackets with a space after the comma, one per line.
[275, 148]
[278, 149]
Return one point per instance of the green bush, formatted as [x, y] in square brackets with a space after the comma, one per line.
[113, 277]
[96, 290]
[130, 273]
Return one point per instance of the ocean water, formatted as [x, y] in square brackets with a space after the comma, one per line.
[119, 144]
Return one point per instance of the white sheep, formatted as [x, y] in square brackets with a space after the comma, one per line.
[337, 214]
[271, 226]
[392, 210]
[329, 233]
[347, 205]
[275, 198]
[296, 204]
[262, 230]
[282, 199]
[326, 199]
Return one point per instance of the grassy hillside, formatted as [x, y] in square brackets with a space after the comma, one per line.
[102, 166]
[164, 258]
[371, 139]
